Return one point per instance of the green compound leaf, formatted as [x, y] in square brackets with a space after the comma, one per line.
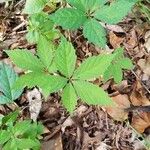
[7, 79]
[87, 5]
[94, 32]
[117, 73]
[119, 62]
[108, 73]
[77, 4]
[92, 94]
[10, 145]
[65, 58]
[69, 98]
[52, 68]
[21, 127]
[4, 136]
[5, 100]
[93, 67]
[115, 12]
[34, 130]
[47, 83]
[23, 143]
[34, 6]
[25, 60]
[33, 36]
[19, 134]
[45, 51]
[27, 143]
[69, 18]
[41, 25]
[126, 63]
[10, 118]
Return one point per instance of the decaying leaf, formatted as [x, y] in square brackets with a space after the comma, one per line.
[115, 40]
[131, 40]
[122, 87]
[118, 112]
[145, 65]
[141, 121]
[115, 28]
[35, 102]
[137, 98]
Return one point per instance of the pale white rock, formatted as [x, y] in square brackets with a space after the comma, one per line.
[35, 103]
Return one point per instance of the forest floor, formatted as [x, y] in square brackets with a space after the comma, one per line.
[91, 127]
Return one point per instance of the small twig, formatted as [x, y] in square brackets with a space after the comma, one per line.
[77, 37]
[19, 26]
[138, 108]
[23, 108]
[114, 94]
[57, 129]
[22, 32]
[21, 1]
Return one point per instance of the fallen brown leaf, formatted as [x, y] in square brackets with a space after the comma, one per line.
[118, 112]
[115, 28]
[144, 64]
[122, 87]
[141, 121]
[131, 40]
[137, 98]
[115, 40]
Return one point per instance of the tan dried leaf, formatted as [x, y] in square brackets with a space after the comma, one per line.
[141, 121]
[115, 41]
[144, 64]
[131, 40]
[137, 98]
[115, 28]
[118, 112]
